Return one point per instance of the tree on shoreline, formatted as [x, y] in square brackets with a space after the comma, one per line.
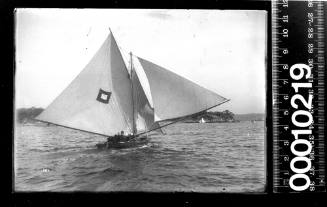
[27, 114]
[214, 116]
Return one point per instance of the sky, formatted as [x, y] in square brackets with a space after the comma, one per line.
[221, 50]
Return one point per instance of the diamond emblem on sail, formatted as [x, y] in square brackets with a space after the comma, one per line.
[103, 96]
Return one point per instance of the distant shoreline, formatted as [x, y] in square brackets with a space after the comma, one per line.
[181, 122]
[27, 115]
[209, 122]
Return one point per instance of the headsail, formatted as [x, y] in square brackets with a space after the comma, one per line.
[99, 98]
[174, 96]
[144, 113]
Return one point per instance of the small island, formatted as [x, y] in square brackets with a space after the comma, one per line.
[212, 117]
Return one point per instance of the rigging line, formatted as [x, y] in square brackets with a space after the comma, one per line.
[105, 135]
[132, 85]
[121, 56]
[181, 118]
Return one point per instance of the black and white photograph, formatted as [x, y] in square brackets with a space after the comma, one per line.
[140, 100]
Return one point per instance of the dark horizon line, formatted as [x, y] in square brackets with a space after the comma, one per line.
[207, 111]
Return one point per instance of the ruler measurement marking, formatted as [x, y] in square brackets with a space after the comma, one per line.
[314, 16]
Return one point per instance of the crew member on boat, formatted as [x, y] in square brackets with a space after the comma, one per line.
[120, 137]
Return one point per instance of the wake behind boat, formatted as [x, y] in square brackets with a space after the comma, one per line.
[125, 100]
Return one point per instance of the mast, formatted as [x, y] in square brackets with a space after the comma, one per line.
[133, 108]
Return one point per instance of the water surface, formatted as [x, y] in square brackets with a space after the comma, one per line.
[211, 157]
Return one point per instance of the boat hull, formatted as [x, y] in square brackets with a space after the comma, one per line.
[123, 144]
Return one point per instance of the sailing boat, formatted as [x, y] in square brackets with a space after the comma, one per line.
[110, 96]
[202, 120]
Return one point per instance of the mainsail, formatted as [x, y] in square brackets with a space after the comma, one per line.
[174, 96]
[99, 98]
